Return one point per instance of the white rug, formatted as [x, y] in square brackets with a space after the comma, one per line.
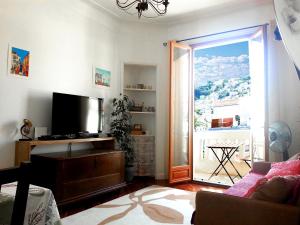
[153, 205]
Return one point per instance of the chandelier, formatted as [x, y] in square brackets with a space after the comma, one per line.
[159, 7]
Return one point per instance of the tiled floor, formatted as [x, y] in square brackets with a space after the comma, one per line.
[204, 168]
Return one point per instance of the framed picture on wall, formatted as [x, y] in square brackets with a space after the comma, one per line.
[101, 77]
[18, 62]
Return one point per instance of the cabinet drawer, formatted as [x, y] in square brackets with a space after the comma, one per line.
[144, 140]
[93, 166]
[145, 169]
[88, 186]
[79, 168]
[146, 158]
[108, 164]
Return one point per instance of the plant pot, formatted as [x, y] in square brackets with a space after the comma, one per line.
[129, 173]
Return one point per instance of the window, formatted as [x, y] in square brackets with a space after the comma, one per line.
[222, 85]
[229, 103]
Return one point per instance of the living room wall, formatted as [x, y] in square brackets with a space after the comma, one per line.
[143, 44]
[65, 39]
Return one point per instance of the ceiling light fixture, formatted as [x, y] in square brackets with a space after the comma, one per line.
[158, 6]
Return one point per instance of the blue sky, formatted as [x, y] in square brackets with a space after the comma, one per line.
[221, 62]
[235, 49]
[20, 52]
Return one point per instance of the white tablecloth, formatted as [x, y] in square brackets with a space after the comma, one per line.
[41, 206]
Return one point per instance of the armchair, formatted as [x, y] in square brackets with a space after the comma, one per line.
[222, 209]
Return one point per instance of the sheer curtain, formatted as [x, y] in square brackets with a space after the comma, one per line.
[258, 107]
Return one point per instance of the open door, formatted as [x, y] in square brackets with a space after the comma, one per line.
[259, 113]
[180, 127]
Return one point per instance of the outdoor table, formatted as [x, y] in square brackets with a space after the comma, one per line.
[228, 150]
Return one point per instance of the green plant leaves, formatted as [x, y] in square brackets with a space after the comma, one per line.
[121, 126]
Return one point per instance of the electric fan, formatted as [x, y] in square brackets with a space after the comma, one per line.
[280, 138]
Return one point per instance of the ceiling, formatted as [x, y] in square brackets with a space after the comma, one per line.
[179, 9]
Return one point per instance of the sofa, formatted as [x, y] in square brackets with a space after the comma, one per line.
[233, 208]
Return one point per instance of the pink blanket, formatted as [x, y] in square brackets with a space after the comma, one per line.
[246, 186]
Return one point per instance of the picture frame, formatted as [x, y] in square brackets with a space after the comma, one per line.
[18, 62]
[101, 77]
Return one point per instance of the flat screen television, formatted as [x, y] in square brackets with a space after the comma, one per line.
[75, 115]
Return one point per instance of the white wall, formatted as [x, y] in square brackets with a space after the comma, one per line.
[65, 39]
[143, 43]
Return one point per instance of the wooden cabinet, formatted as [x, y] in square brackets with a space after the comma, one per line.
[24, 148]
[144, 148]
[73, 176]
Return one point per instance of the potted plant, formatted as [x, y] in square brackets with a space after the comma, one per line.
[120, 128]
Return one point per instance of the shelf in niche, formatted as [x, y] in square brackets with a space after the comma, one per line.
[144, 135]
[138, 89]
[134, 112]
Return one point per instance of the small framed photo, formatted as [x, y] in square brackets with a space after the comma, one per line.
[137, 127]
[101, 77]
[18, 62]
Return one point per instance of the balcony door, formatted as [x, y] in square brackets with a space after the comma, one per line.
[180, 127]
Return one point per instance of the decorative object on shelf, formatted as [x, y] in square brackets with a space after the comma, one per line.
[137, 130]
[150, 109]
[159, 7]
[137, 127]
[135, 107]
[25, 129]
[18, 62]
[121, 128]
[101, 77]
[40, 132]
[140, 86]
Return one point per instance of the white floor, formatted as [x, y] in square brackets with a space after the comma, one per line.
[204, 168]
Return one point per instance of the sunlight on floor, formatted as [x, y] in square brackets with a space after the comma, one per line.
[205, 168]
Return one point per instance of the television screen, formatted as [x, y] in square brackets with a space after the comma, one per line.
[73, 114]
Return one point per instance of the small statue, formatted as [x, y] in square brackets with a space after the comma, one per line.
[25, 129]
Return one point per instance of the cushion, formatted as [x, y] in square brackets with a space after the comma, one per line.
[286, 168]
[277, 189]
[246, 186]
[295, 157]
